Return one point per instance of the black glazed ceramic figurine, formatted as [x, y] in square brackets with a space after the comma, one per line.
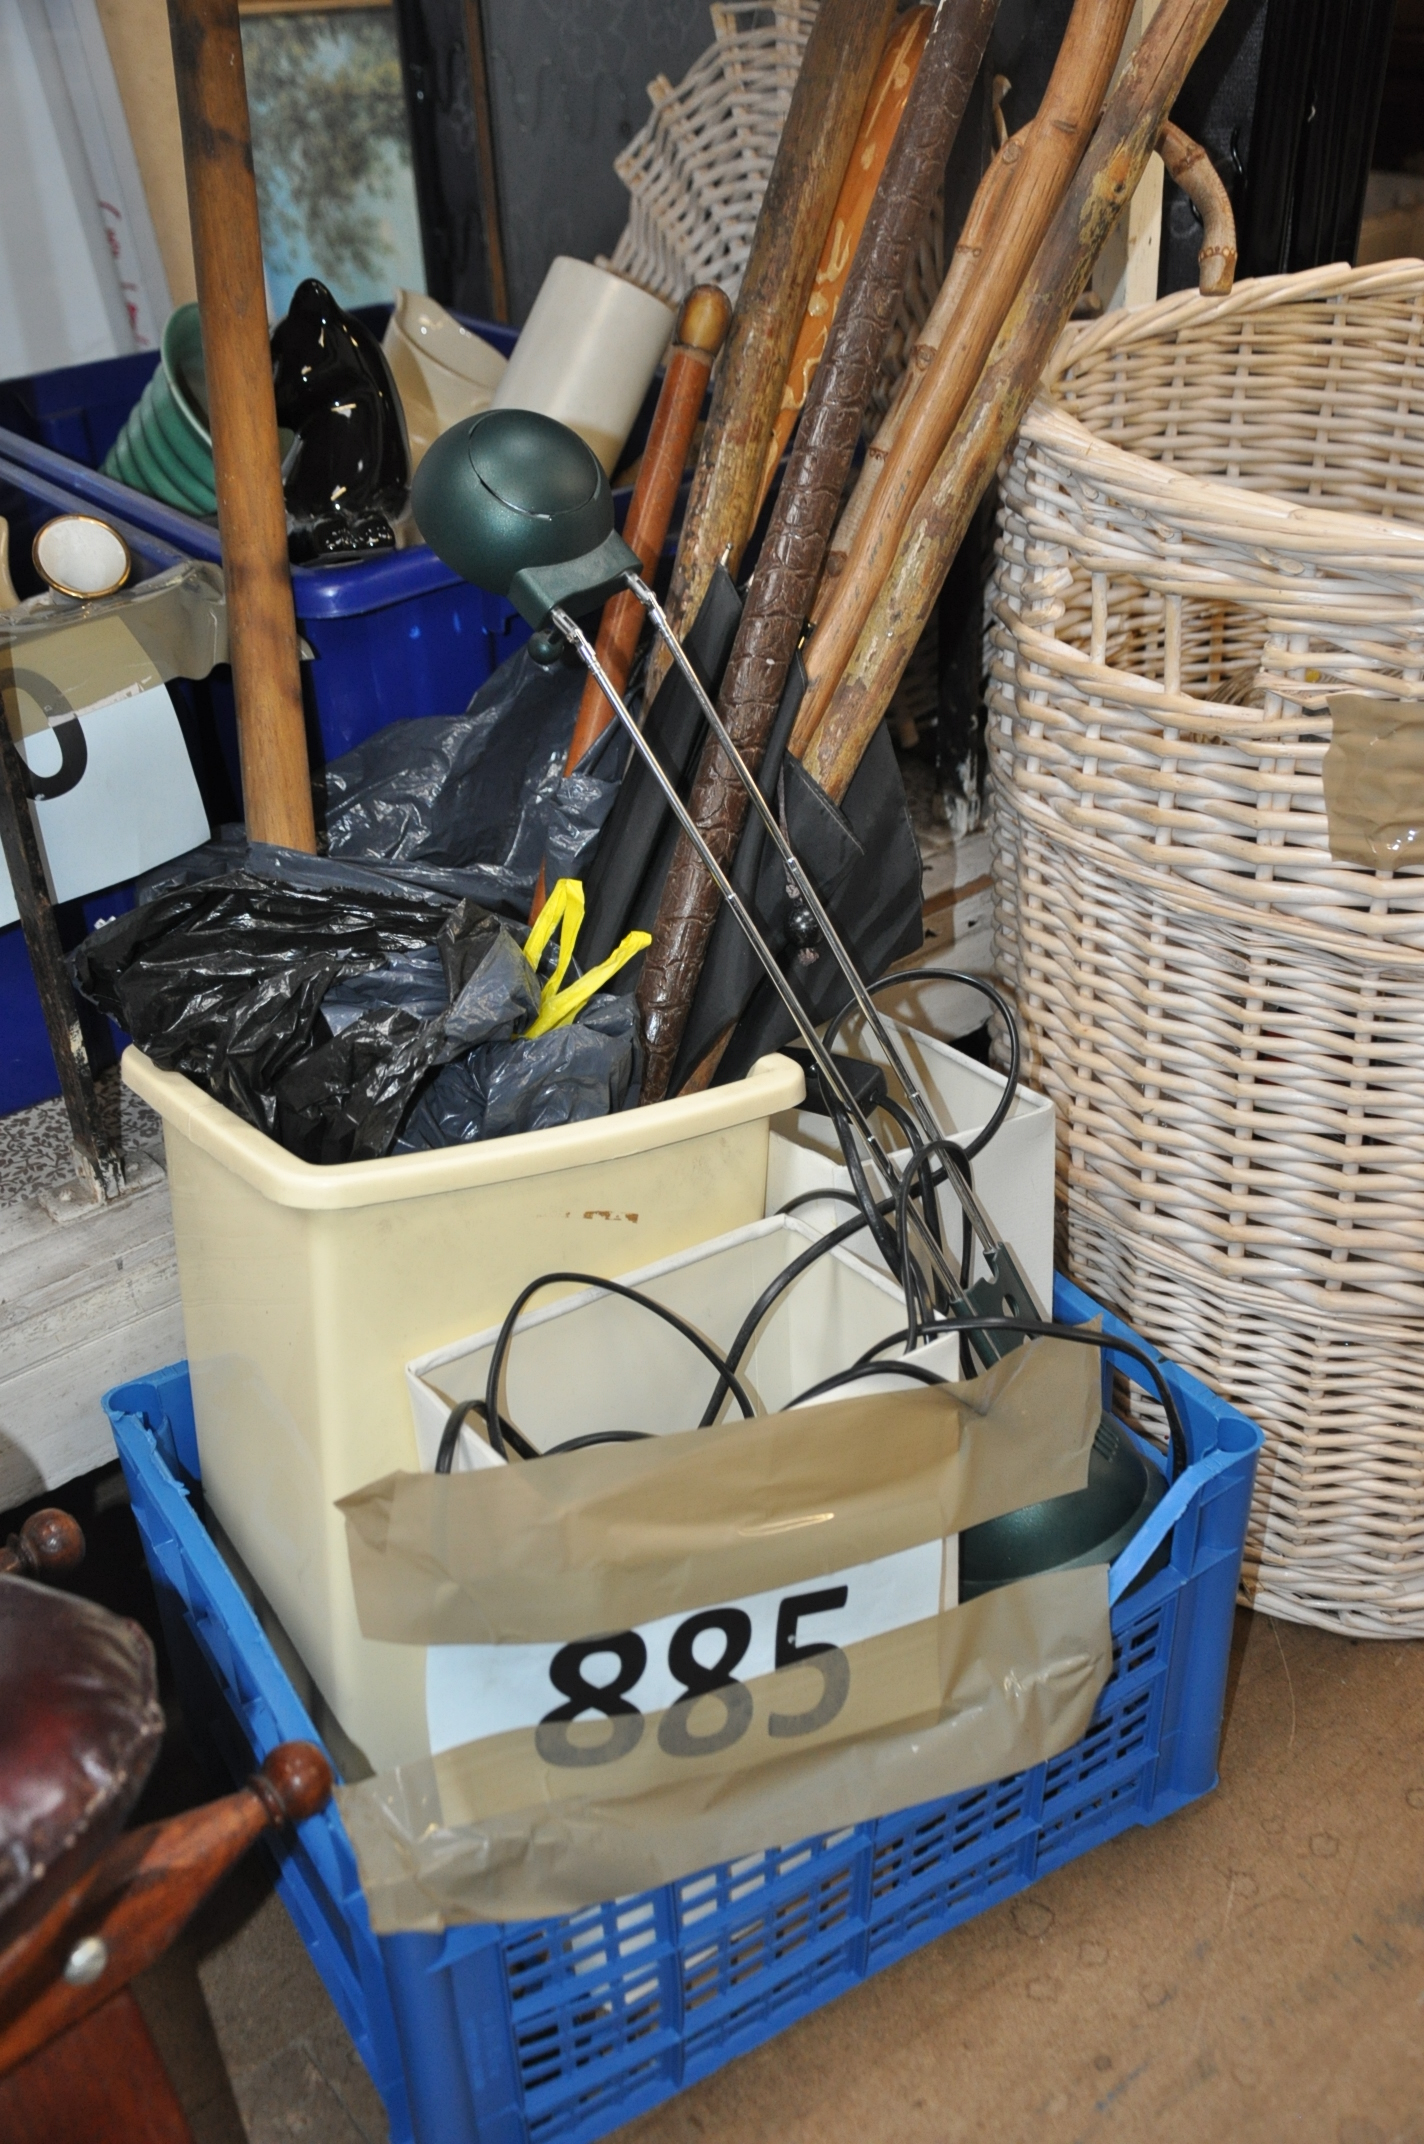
[346, 476]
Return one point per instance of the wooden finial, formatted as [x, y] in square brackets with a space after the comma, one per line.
[294, 1783]
[702, 323]
[49, 1544]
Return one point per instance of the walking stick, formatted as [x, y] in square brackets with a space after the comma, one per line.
[1024, 187]
[837, 69]
[795, 544]
[252, 519]
[884, 107]
[1116, 157]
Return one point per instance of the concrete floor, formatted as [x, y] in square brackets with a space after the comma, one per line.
[1249, 1972]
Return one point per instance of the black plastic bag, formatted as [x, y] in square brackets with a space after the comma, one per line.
[328, 1013]
[224, 979]
[483, 793]
[531, 1084]
[346, 1099]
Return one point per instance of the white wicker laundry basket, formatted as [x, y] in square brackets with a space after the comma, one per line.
[1213, 519]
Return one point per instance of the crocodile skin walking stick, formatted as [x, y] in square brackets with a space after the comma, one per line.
[802, 518]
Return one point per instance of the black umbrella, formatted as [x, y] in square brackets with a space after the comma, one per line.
[861, 857]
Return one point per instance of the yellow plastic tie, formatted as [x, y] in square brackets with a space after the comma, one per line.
[559, 1007]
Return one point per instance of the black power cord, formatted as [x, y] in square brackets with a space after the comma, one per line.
[1033, 1329]
[930, 1164]
[495, 1424]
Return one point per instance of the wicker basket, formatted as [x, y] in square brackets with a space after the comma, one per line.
[698, 169]
[1214, 517]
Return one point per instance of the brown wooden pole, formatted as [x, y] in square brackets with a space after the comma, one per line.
[889, 93]
[252, 521]
[1103, 185]
[965, 265]
[701, 327]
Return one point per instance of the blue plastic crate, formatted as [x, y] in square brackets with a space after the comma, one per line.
[556, 2033]
[391, 637]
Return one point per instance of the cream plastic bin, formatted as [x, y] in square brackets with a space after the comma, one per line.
[1014, 1176]
[306, 1291]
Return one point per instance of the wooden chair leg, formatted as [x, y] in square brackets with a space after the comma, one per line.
[100, 2079]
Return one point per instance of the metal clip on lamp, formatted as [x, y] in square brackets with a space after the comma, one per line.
[518, 504]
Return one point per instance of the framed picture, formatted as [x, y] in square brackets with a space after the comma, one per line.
[331, 149]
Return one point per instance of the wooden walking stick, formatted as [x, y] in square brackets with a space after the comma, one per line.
[837, 69]
[701, 327]
[966, 263]
[252, 520]
[1192, 169]
[1024, 187]
[1188, 165]
[889, 93]
[801, 522]
[1103, 185]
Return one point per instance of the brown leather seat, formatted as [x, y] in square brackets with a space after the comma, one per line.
[81, 1728]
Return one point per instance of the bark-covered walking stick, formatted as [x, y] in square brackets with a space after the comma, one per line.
[837, 69]
[1102, 187]
[884, 107]
[1025, 185]
[802, 519]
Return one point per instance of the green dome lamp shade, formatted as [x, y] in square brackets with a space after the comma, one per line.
[1091, 1525]
[516, 503]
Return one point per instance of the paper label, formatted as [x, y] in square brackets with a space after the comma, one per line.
[475, 1691]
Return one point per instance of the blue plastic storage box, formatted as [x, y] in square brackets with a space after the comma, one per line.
[532, 2033]
[390, 637]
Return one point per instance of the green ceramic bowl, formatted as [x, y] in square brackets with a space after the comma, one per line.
[165, 447]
